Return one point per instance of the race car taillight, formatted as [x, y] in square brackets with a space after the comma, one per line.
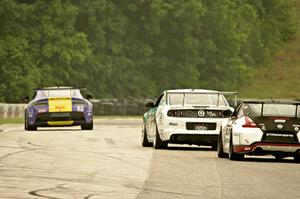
[173, 113]
[249, 123]
[43, 103]
[78, 103]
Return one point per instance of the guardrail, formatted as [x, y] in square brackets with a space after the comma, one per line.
[105, 107]
[130, 107]
[11, 110]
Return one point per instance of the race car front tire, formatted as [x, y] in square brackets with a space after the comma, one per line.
[29, 127]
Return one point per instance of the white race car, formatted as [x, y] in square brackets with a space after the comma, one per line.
[185, 116]
[261, 127]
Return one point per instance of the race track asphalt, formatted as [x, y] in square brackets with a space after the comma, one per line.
[109, 162]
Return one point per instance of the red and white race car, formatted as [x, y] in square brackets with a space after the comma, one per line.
[262, 127]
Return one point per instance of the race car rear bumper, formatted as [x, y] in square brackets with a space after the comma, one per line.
[261, 148]
[61, 119]
[59, 123]
[198, 137]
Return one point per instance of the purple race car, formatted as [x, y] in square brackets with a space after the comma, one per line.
[58, 106]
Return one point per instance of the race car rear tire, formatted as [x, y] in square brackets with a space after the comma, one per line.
[232, 155]
[29, 127]
[297, 156]
[145, 142]
[25, 122]
[158, 143]
[279, 157]
[87, 126]
[220, 151]
[214, 147]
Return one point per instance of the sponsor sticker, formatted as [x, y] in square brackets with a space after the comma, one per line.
[80, 108]
[279, 126]
[42, 110]
[60, 105]
[201, 113]
[279, 135]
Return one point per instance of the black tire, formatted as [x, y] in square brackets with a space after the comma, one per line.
[29, 127]
[278, 157]
[297, 157]
[220, 151]
[214, 147]
[158, 143]
[87, 126]
[232, 155]
[25, 121]
[145, 142]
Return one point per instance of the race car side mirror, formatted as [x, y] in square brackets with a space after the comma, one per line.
[228, 113]
[26, 99]
[88, 97]
[149, 104]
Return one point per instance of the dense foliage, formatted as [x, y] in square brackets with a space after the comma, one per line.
[122, 48]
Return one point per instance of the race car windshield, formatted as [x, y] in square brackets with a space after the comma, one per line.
[197, 99]
[286, 110]
[58, 93]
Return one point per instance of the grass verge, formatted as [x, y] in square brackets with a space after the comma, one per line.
[281, 78]
[11, 120]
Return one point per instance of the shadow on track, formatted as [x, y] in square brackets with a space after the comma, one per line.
[188, 148]
[269, 160]
[57, 130]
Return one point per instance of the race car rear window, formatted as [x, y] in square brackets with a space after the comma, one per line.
[58, 93]
[176, 99]
[287, 110]
[197, 99]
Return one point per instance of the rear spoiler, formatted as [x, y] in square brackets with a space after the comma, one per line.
[231, 93]
[199, 92]
[297, 103]
[60, 88]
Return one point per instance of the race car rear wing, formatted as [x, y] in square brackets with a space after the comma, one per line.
[272, 101]
[59, 88]
[204, 92]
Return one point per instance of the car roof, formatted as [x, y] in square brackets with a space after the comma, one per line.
[270, 101]
[191, 91]
[56, 88]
